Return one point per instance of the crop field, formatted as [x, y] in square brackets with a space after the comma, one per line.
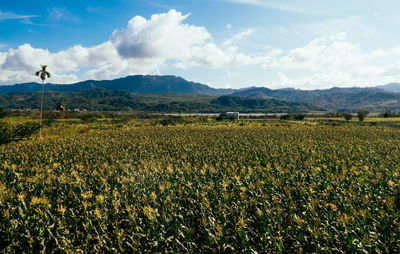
[292, 188]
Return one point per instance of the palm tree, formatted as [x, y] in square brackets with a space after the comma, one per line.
[42, 74]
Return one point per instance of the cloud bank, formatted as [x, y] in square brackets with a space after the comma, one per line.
[333, 61]
[147, 46]
[143, 47]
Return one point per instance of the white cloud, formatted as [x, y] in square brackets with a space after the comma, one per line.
[10, 15]
[58, 14]
[144, 47]
[332, 61]
[164, 35]
[238, 36]
[147, 46]
[323, 53]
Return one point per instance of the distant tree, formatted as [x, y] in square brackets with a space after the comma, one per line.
[221, 117]
[43, 74]
[361, 114]
[332, 114]
[166, 122]
[3, 113]
[60, 106]
[387, 114]
[285, 117]
[347, 116]
[299, 117]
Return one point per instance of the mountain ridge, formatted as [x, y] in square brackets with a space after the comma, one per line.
[336, 98]
[101, 99]
[391, 87]
[376, 99]
[141, 84]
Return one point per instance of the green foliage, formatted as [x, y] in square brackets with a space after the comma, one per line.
[88, 118]
[15, 132]
[389, 113]
[221, 117]
[166, 122]
[361, 114]
[299, 117]
[347, 116]
[175, 120]
[106, 100]
[285, 117]
[3, 113]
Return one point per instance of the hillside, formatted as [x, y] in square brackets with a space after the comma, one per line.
[338, 99]
[392, 87]
[374, 99]
[135, 84]
[106, 100]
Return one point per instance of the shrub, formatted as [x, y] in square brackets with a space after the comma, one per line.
[166, 122]
[361, 114]
[3, 113]
[299, 117]
[15, 132]
[387, 113]
[221, 117]
[88, 118]
[347, 116]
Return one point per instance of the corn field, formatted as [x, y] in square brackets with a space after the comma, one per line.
[266, 189]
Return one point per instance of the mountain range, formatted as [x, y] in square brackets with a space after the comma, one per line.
[100, 99]
[334, 99]
[138, 84]
[144, 92]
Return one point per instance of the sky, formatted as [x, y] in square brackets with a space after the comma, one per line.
[306, 44]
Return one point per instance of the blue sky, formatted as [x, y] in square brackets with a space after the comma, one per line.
[306, 44]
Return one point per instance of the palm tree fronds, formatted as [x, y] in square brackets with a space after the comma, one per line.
[48, 74]
[38, 73]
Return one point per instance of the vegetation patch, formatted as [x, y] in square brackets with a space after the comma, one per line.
[286, 188]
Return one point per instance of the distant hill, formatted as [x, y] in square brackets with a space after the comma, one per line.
[374, 99]
[107, 100]
[135, 84]
[338, 99]
[392, 87]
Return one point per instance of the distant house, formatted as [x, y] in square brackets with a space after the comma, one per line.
[232, 115]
